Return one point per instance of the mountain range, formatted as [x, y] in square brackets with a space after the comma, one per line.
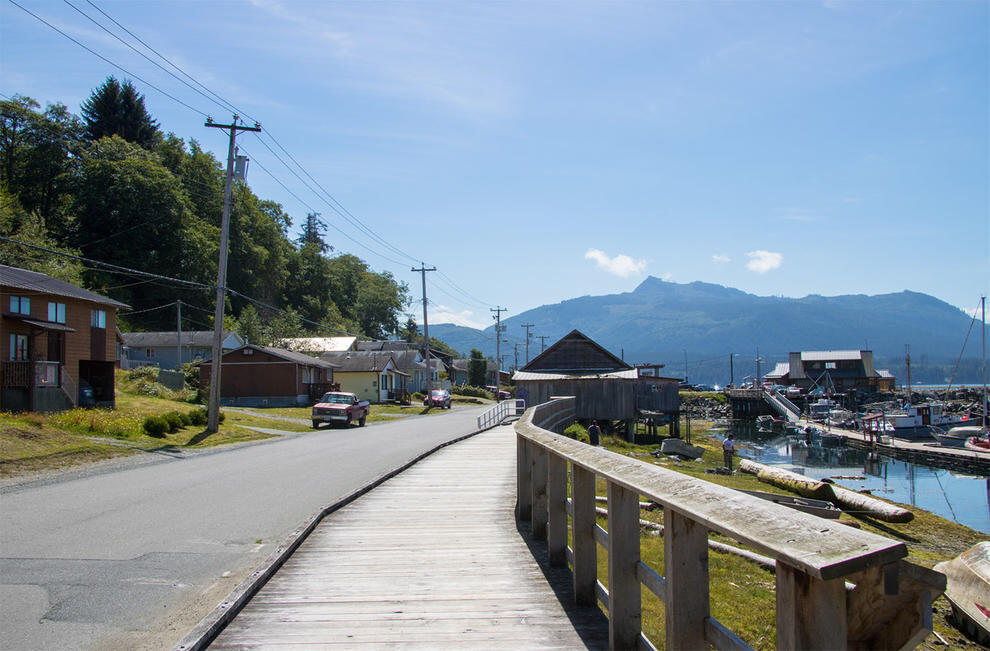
[665, 322]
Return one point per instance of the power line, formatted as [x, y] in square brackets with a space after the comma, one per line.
[106, 60]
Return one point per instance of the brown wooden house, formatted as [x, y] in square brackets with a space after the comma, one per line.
[605, 387]
[260, 376]
[58, 343]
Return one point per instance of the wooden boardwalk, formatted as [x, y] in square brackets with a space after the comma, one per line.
[431, 558]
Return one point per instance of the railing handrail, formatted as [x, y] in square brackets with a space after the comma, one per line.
[836, 585]
[500, 411]
[801, 540]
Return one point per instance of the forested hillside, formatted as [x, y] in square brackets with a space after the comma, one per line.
[110, 185]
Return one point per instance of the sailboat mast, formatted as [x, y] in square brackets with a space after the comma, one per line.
[983, 332]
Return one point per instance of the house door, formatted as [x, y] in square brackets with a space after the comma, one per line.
[56, 346]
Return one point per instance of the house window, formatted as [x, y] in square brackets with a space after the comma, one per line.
[149, 352]
[830, 365]
[18, 347]
[56, 312]
[98, 318]
[20, 305]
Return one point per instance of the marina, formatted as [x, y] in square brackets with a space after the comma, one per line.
[901, 471]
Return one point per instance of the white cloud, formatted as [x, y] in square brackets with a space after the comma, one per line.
[720, 258]
[443, 314]
[797, 217]
[763, 261]
[621, 265]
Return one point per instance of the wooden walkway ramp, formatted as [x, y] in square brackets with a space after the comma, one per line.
[431, 558]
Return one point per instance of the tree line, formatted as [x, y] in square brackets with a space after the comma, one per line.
[110, 185]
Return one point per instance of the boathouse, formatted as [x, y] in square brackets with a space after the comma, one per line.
[837, 370]
[605, 388]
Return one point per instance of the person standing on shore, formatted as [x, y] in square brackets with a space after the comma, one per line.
[728, 449]
[594, 433]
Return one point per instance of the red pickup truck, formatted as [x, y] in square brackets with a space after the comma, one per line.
[340, 408]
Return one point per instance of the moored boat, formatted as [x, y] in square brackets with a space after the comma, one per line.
[956, 437]
[968, 590]
[916, 421]
[978, 443]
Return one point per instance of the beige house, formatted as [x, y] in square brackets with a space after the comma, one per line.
[370, 375]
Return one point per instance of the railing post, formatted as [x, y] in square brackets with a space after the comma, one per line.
[685, 553]
[557, 510]
[624, 598]
[539, 519]
[583, 535]
[811, 613]
[524, 480]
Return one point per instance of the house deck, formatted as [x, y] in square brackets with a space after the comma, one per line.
[433, 557]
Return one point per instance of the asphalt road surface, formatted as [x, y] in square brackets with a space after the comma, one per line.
[134, 555]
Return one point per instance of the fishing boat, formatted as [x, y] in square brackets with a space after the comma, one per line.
[766, 422]
[978, 443]
[968, 590]
[916, 421]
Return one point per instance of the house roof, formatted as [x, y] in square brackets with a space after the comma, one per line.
[292, 356]
[201, 338]
[779, 371]
[358, 361]
[35, 282]
[624, 374]
[319, 344]
[406, 359]
[390, 345]
[576, 354]
[884, 373]
[830, 355]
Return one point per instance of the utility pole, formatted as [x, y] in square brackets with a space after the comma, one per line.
[178, 335]
[498, 343]
[529, 336]
[685, 368]
[515, 353]
[213, 417]
[543, 343]
[907, 360]
[426, 329]
[732, 375]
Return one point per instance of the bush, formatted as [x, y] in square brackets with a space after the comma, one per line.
[473, 392]
[186, 419]
[174, 421]
[577, 432]
[146, 373]
[198, 417]
[191, 371]
[155, 426]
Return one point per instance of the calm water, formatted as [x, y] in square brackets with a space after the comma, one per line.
[954, 496]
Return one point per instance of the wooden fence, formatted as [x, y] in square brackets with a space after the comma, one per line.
[837, 586]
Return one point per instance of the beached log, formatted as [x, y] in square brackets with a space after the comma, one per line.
[842, 497]
[849, 500]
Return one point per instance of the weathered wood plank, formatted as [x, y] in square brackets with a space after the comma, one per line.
[432, 558]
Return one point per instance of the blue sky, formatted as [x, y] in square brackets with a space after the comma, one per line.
[540, 151]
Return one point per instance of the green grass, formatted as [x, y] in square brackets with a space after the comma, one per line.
[377, 412]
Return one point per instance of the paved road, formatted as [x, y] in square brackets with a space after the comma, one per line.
[136, 556]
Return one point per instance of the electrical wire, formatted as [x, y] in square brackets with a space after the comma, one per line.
[106, 60]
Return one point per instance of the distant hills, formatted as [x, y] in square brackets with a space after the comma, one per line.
[659, 321]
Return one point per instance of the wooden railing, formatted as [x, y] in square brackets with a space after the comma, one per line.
[837, 587]
[32, 374]
[500, 411]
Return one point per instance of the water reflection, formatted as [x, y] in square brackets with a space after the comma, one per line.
[952, 495]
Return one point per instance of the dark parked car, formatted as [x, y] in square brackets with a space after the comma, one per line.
[438, 398]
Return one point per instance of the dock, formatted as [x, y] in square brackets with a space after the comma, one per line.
[432, 558]
[924, 452]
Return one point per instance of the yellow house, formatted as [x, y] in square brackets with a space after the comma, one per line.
[370, 375]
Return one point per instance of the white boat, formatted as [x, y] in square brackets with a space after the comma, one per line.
[968, 590]
[956, 437]
[916, 421]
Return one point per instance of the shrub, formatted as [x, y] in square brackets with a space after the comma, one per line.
[174, 421]
[184, 417]
[473, 392]
[197, 417]
[577, 432]
[155, 426]
[146, 373]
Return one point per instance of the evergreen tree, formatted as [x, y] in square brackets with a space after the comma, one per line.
[312, 233]
[116, 109]
[477, 368]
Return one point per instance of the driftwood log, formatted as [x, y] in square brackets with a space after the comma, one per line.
[844, 498]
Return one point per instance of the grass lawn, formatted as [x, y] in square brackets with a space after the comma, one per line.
[742, 593]
[44, 442]
[377, 413]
